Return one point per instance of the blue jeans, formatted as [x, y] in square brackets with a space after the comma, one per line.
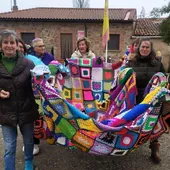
[10, 141]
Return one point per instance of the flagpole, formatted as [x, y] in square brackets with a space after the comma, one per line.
[105, 33]
[106, 51]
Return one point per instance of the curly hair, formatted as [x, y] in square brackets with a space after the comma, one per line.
[87, 42]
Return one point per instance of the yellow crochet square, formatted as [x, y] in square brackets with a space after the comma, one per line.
[107, 85]
[88, 125]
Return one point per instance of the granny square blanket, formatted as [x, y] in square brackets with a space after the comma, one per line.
[116, 126]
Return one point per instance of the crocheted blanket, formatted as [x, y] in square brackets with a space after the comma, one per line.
[122, 128]
[89, 83]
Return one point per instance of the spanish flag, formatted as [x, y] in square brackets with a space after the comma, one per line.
[105, 35]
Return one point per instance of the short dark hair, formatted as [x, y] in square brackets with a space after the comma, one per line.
[24, 46]
[6, 33]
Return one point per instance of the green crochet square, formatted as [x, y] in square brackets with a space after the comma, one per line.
[67, 129]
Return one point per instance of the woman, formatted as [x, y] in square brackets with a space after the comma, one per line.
[145, 63]
[22, 48]
[17, 104]
[40, 52]
[83, 49]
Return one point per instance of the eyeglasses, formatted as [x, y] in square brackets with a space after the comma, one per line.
[40, 46]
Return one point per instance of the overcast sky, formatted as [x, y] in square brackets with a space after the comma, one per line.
[5, 5]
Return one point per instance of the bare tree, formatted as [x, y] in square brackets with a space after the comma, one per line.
[142, 13]
[81, 3]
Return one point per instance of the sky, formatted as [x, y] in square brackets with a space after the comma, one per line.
[5, 5]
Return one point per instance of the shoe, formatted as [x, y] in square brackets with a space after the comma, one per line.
[36, 149]
[155, 156]
[28, 165]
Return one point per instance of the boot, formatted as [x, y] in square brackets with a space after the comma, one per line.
[28, 165]
[155, 156]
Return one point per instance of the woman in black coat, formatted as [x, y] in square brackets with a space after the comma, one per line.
[146, 64]
[17, 104]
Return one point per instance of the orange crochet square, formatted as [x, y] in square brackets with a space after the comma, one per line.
[83, 140]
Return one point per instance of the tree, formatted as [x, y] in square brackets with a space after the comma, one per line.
[165, 30]
[81, 3]
[142, 13]
[157, 12]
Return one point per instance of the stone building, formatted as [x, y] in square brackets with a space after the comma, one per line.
[149, 28]
[61, 27]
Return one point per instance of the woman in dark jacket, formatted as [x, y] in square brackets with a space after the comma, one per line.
[17, 104]
[146, 64]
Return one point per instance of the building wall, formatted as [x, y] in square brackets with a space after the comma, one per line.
[158, 44]
[50, 33]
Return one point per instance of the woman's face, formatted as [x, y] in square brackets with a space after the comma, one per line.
[39, 48]
[82, 47]
[21, 47]
[9, 46]
[145, 48]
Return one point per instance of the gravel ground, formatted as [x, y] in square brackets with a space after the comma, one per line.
[52, 157]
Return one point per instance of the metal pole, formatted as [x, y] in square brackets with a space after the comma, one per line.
[106, 52]
[15, 2]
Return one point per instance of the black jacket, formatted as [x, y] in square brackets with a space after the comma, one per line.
[144, 71]
[20, 108]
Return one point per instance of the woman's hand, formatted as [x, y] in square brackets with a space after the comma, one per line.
[4, 94]
[102, 58]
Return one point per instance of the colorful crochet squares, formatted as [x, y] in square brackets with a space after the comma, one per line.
[108, 75]
[74, 69]
[85, 62]
[67, 129]
[88, 95]
[85, 72]
[98, 96]
[106, 86]
[101, 148]
[86, 84]
[76, 82]
[62, 108]
[97, 86]
[97, 74]
[127, 140]
[83, 140]
[78, 105]
[77, 95]
[67, 93]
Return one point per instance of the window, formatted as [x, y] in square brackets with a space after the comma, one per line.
[28, 37]
[66, 45]
[114, 41]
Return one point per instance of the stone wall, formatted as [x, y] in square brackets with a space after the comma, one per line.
[158, 44]
[50, 33]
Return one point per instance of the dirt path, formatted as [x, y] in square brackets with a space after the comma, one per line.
[61, 158]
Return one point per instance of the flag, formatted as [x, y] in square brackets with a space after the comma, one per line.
[105, 35]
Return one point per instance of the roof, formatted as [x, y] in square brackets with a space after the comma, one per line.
[89, 14]
[148, 26]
